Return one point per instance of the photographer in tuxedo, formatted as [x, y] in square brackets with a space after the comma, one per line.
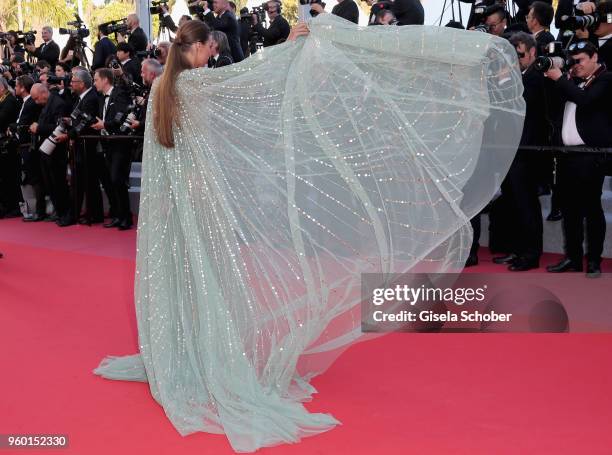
[603, 32]
[10, 191]
[48, 51]
[53, 166]
[137, 36]
[539, 19]
[130, 66]
[586, 91]
[86, 177]
[103, 49]
[278, 31]
[30, 157]
[520, 186]
[118, 153]
[225, 21]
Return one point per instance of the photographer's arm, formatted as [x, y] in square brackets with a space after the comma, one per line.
[273, 33]
[580, 97]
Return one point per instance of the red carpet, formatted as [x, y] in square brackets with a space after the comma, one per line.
[66, 302]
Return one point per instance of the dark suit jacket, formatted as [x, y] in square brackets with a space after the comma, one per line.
[223, 60]
[49, 52]
[91, 105]
[227, 24]
[605, 54]
[102, 50]
[593, 108]
[542, 40]
[408, 12]
[55, 109]
[118, 103]
[536, 130]
[138, 39]
[9, 108]
[132, 69]
[168, 22]
[276, 33]
[29, 115]
[347, 9]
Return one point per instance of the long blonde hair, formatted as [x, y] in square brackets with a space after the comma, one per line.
[165, 103]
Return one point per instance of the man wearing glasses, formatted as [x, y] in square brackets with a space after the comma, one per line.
[586, 121]
[86, 182]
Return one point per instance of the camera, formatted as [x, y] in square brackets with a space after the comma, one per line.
[26, 38]
[49, 144]
[114, 64]
[154, 52]
[4, 39]
[555, 57]
[579, 22]
[156, 6]
[195, 9]
[260, 12]
[81, 120]
[80, 33]
[52, 79]
[119, 26]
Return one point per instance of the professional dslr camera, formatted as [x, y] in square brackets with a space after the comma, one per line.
[603, 14]
[52, 79]
[157, 6]
[26, 38]
[556, 57]
[80, 120]
[48, 146]
[80, 31]
[153, 52]
[195, 9]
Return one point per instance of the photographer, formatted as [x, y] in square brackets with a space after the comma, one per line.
[220, 51]
[346, 9]
[103, 48]
[151, 69]
[164, 48]
[168, 22]
[603, 32]
[496, 20]
[225, 21]
[10, 191]
[68, 56]
[12, 47]
[539, 19]
[586, 121]
[53, 166]
[130, 66]
[48, 50]
[278, 31]
[30, 157]
[520, 186]
[138, 38]
[118, 154]
[569, 9]
[85, 178]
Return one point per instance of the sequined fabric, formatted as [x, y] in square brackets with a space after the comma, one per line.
[353, 150]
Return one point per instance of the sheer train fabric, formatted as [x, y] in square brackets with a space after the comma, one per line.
[352, 150]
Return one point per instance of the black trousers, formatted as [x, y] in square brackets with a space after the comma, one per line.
[31, 163]
[10, 179]
[119, 162]
[85, 180]
[53, 169]
[520, 190]
[582, 176]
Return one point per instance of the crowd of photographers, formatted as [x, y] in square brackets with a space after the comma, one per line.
[57, 101]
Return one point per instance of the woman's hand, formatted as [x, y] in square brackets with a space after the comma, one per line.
[301, 29]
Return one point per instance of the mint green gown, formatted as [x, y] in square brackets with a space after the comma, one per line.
[353, 150]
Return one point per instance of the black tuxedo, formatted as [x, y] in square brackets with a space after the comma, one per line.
[10, 191]
[138, 39]
[276, 33]
[227, 24]
[605, 53]
[168, 22]
[116, 172]
[408, 12]
[53, 166]
[523, 9]
[542, 40]
[48, 52]
[520, 186]
[347, 9]
[222, 60]
[30, 157]
[86, 175]
[132, 69]
[102, 50]
[582, 174]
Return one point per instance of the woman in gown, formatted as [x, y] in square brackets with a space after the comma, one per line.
[270, 186]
